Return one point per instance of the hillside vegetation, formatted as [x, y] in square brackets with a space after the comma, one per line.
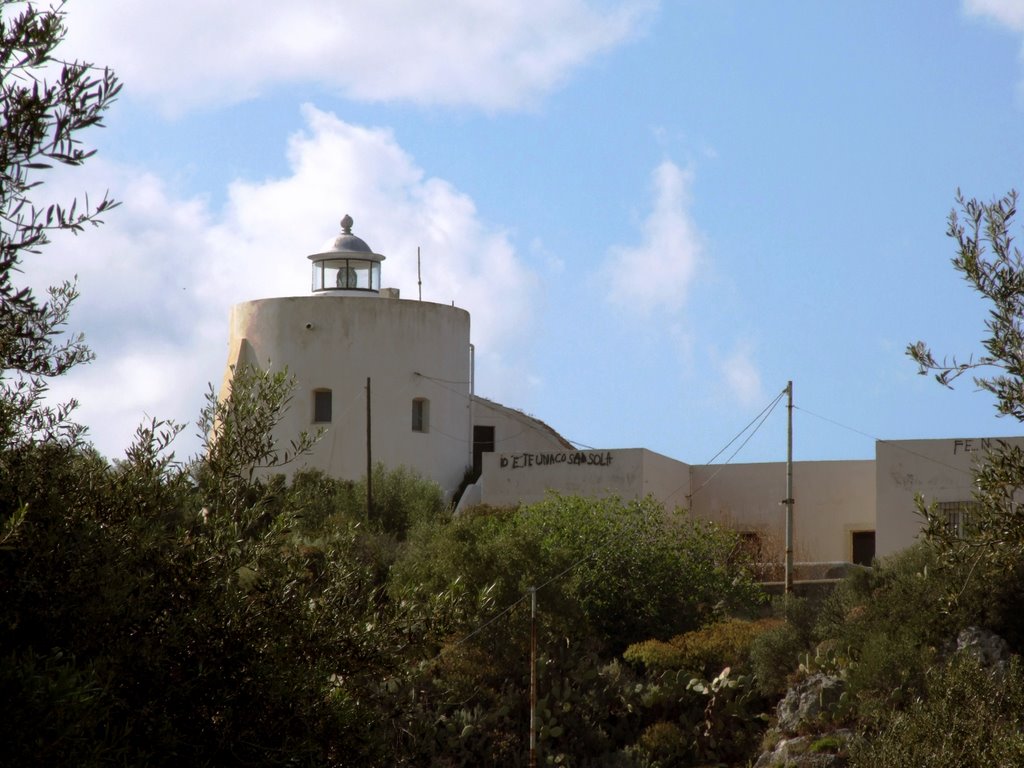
[212, 612]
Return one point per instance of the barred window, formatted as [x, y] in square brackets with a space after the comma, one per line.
[955, 514]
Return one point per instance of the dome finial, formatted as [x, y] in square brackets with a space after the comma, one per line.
[346, 225]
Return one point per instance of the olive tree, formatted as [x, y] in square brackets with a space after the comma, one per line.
[990, 262]
[46, 104]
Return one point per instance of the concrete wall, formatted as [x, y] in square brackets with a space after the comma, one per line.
[832, 499]
[939, 470]
[409, 349]
[631, 473]
[667, 480]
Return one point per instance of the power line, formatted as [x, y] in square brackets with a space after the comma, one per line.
[767, 409]
[506, 610]
[435, 378]
[481, 628]
[763, 416]
[892, 443]
[758, 420]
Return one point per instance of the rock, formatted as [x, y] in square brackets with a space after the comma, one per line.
[806, 752]
[801, 711]
[804, 703]
[985, 646]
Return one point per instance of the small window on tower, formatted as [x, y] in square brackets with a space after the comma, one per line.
[420, 415]
[321, 406]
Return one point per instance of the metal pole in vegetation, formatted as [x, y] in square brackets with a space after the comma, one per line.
[533, 677]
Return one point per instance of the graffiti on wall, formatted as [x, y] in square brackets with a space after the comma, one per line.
[572, 458]
[970, 446]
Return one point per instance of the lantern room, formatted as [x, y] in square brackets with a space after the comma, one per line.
[347, 267]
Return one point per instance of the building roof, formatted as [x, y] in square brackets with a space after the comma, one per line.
[347, 244]
[516, 413]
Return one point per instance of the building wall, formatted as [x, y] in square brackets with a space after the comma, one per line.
[631, 473]
[409, 349]
[667, 480]
[412, 349]
[832, 499]
[939, 470]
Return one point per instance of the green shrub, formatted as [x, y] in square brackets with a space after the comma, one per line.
[654, 655]
[56, 712]
[889, 672]
[401, 499]
[618, 572]
[321, 502]
[733, 719]
[705, 651]
[968, 717]
[662, 744]
[828, 745]
[905, 591]
[889, 621]
[774, 656]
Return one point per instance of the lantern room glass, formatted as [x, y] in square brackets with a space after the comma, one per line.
[346, 275]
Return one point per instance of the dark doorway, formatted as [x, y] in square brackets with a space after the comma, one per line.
[863, 547]
[483, 442]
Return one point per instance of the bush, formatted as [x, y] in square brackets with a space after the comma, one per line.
[704, 652]
[142, 628]
[968, 717]
[616, 572]
[888, 622]
[402, 498]
[662, 744]
[774, 656]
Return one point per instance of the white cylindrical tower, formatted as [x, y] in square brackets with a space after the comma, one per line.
[415, 353]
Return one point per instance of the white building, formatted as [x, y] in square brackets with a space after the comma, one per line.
[351, 341]
[391, 381]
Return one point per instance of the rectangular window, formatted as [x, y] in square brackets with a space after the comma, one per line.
[483, 442]
[321, 406]
[420, 415]
[863, 545]
[955, 514]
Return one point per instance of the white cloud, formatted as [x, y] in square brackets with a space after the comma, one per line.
[741, 377]
[1009, 13]
[658, 272]
[158, 279]
[494, 55]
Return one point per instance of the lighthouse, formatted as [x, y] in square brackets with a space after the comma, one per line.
[347, 333]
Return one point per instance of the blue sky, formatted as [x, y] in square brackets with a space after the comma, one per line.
[656, 212]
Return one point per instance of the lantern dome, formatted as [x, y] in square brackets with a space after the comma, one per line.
[348, 266]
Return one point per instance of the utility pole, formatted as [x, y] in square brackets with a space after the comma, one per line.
[369, 455]
[419, 273]
[533, 677]
[789, 490]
